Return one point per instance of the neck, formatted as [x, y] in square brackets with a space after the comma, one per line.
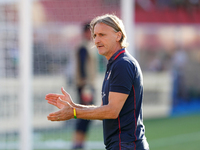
[113, 52]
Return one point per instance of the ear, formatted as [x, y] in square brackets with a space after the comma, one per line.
[119, 36]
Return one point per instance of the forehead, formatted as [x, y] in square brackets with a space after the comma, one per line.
[102, 27]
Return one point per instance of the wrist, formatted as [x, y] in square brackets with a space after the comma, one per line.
[74, 112]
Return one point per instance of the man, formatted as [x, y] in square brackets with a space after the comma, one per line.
[85, 82]
[122, 91]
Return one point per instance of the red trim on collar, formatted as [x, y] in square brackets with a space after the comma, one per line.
[119, 54]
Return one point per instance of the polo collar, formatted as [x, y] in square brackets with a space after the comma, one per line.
[119, 52]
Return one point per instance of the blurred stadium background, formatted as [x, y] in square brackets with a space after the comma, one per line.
[167, 46]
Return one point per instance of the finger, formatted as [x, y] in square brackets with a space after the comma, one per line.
[52, 99]
[55, 98]
[56, 114]
[52, 96]
[52, 102]
[64, 92]
[54, 118]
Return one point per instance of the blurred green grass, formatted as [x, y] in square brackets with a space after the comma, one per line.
[174, 133]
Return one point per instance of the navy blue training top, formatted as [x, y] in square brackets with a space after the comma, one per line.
[123, 75]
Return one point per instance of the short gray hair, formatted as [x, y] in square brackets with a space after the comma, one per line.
[114, 22]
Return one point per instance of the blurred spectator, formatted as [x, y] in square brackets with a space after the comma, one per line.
[85, 76]
[179, 61]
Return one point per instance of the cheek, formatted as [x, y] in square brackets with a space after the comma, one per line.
[111, 42]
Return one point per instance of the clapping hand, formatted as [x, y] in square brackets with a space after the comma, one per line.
[64, 103]
[53, 99]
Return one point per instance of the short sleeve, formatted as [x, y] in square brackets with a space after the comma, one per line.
[122, 77]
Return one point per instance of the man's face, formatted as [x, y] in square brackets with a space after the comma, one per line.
[106, 40]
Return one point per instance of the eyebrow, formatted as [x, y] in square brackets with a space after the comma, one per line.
[99, 33]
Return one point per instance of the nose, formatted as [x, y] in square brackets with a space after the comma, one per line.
[96, 40]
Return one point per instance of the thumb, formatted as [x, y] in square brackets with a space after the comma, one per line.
[64, 92]
[63, 102]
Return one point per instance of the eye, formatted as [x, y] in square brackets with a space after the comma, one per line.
[94, 36]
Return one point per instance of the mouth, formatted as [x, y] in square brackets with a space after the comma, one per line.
[99, 46]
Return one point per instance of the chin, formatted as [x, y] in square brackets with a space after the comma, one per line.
[100, 52]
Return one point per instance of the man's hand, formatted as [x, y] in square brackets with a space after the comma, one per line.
[65, 113]
[53, 99]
